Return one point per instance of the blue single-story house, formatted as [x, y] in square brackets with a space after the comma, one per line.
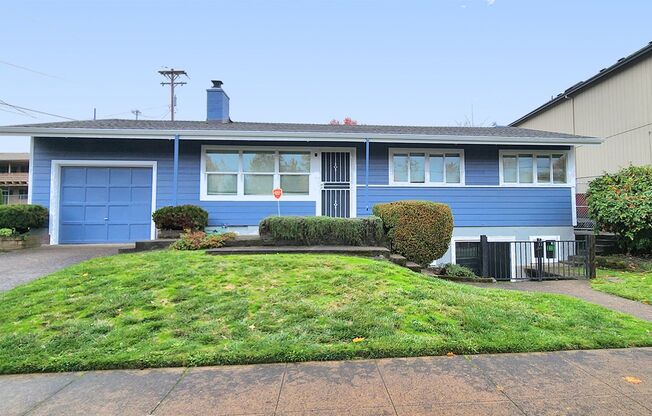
[102, 179]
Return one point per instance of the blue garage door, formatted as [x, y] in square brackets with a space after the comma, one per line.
[105, 205]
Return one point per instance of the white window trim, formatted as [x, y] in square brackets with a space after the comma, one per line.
[313, 185]
[490, 238]
[570, 168]
[55, 186]
[314, 194]
[427, 152]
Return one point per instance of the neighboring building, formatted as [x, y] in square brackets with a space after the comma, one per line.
[14, 168]
[615, 103]
[102, 179]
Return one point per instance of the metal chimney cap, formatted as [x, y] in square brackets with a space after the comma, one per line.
[217, 83]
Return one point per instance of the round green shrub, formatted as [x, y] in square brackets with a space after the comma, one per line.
[181, 217]
[421, 231]
[22, 218]
[621, 203]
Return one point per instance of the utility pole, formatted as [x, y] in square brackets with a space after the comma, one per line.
[136, 113]
[172, 75]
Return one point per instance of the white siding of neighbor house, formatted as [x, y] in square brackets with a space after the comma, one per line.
[619, 109]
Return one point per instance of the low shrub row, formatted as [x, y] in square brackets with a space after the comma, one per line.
[22, 218]
[323, 230]
[421, 231]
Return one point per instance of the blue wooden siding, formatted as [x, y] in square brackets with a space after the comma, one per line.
[471, 206]
[220, 212]
[484, 207]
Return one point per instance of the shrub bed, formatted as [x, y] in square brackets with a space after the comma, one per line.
[23, 218]
[621, 203]
[323, 230]
[456, 270]
[181, 217]
[419, 230]
[199, 240]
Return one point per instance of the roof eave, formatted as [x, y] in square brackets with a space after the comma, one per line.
[288, 135]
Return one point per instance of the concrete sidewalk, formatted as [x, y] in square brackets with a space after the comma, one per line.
[579, 289]
[600, 382]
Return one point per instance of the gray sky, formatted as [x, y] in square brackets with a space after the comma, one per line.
[421, 62]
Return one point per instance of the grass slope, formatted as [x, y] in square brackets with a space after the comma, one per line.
[187, 308]
[631, 285]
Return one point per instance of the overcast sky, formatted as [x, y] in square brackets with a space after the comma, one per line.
[401, 62]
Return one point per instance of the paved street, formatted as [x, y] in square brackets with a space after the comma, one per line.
[600, 382]
[21, 266]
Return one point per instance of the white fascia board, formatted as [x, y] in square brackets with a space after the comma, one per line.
[293, 136]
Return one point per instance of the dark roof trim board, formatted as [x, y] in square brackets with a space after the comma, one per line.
[214, 130]
[619, 66]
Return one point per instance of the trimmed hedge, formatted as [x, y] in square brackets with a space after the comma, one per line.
[419, 230]
[181, 217]
[323, 230]
[22, 218]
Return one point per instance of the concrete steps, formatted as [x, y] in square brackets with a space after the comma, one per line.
[398, 259]
[366, 251]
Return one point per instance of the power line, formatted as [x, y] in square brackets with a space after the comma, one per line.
[173, 75]
[15, 112]
[24, 68]
[20, 111]
[17, 107]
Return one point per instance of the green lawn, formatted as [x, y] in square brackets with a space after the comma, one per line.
[187, 308]
[632, 279]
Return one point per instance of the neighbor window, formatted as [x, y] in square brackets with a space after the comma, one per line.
[427, 167]
[534, 168]
[257, 172]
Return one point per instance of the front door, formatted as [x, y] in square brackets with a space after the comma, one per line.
[336, 184]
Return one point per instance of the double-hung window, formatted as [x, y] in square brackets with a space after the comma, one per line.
[426, 167]
[540, 168]
[251, 173]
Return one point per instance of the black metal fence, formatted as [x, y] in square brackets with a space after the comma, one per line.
[538, 259]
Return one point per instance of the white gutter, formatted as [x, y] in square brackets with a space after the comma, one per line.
[289, 136]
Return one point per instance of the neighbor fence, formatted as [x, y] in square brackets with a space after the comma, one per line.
[537, 259]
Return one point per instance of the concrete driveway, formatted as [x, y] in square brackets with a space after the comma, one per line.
[21, 266]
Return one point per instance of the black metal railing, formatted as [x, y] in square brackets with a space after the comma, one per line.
[538, 259]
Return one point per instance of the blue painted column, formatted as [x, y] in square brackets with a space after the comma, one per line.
[175, 170]
[366, 175]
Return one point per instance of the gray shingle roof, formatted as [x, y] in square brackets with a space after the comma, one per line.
[117, 124]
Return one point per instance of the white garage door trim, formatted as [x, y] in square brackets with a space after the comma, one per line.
[55, 186]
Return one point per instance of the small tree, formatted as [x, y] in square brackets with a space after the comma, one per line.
[348, 121]
[621, 203]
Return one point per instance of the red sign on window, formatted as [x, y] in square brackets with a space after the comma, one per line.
[277, 192]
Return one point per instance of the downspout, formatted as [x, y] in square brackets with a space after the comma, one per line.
[175, 170]
[366, 175]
